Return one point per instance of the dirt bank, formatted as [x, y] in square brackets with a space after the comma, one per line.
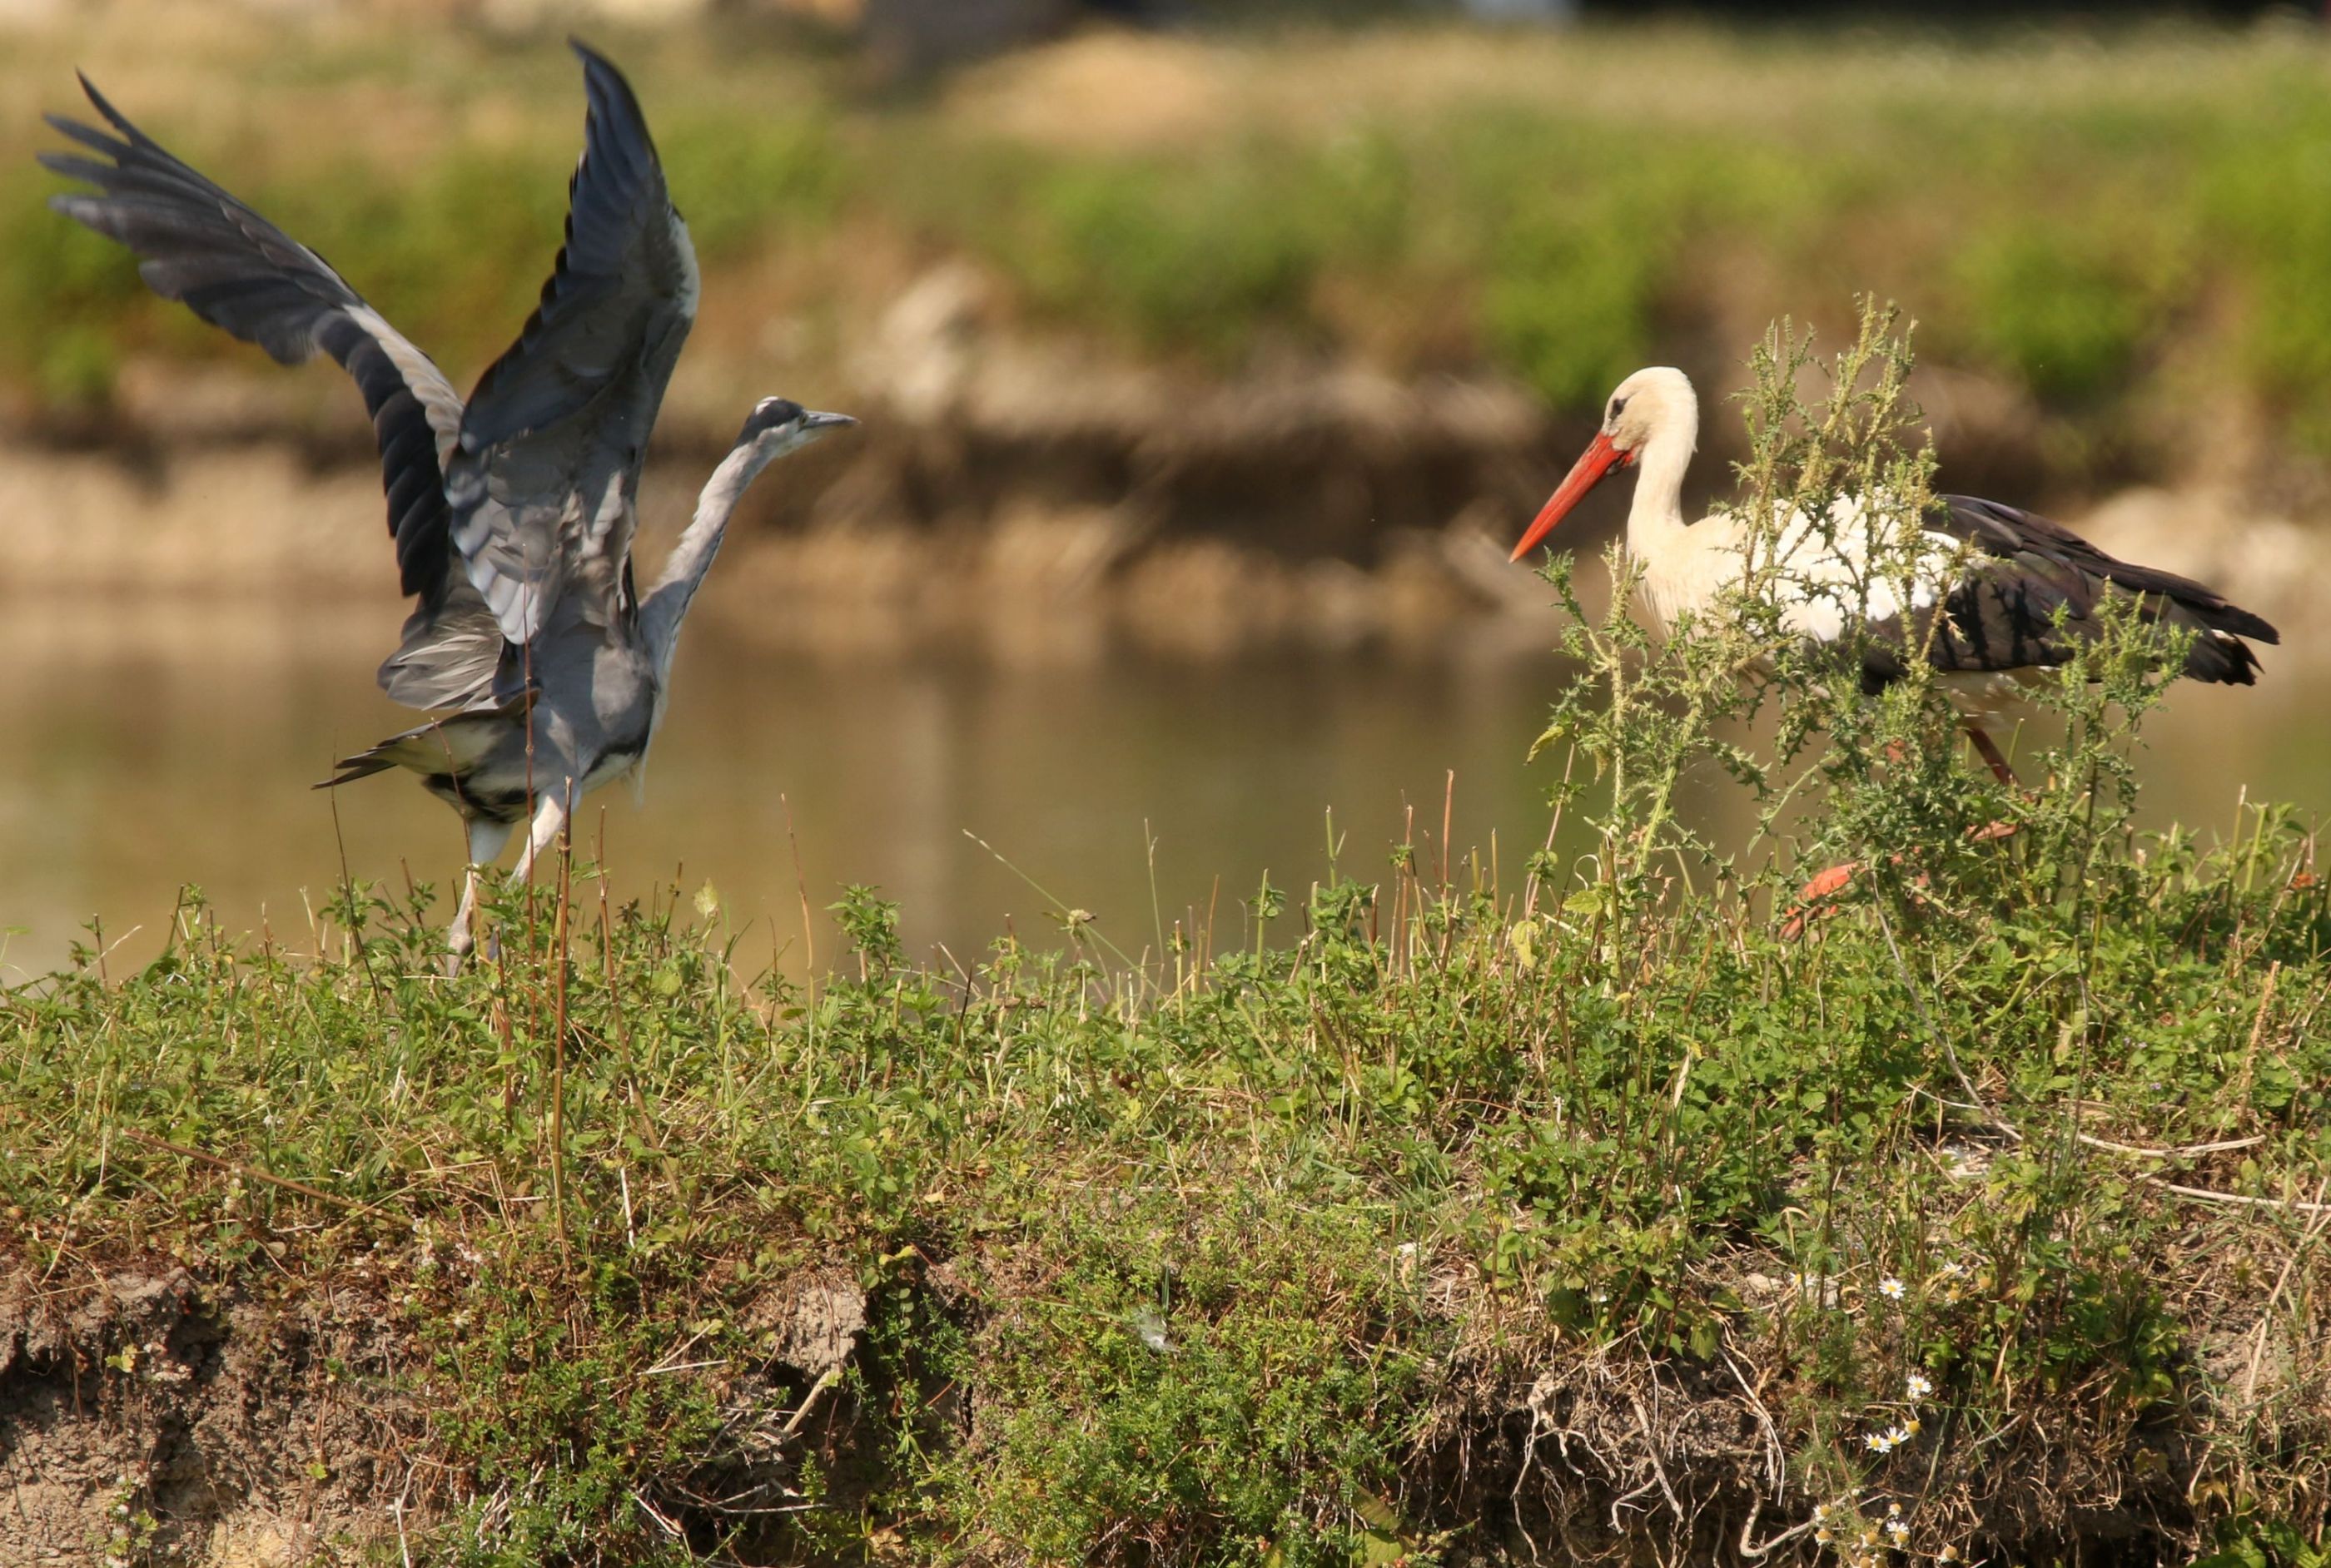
[146, 1416]
[1010, 489]
[142, 1417]
[150, 1416]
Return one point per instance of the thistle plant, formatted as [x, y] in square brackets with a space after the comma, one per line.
[1835, 496]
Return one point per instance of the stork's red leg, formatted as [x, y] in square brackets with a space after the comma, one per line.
[1813, 895]
[1813, 898]
[1989, 751]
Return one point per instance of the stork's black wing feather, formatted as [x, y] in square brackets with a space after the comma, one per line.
[200, 245]
[2034, 586]
[2005, 530]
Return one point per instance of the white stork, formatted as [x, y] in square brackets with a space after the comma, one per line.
[2000, 576]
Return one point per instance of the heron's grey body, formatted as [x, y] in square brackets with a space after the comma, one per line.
[512, 513]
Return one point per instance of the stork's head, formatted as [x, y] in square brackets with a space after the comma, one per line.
[1651, 406]
[778, 425]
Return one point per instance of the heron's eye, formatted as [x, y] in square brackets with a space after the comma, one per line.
[1618, 407]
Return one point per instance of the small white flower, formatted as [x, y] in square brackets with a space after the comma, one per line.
[1890, 1288]
[1149, 1327]
[1955, 1269]
[1918, 1386]
[1881, 1443]
[1822, 1537]
[1893, 1510]
[1821, 1513]
[1897, 1531]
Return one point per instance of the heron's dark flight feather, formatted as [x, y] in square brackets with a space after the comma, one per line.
[198, 244]
[552, 441]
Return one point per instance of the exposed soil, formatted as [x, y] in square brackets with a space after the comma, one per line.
[1003, 482]
[146, 1417]
[141, 1414]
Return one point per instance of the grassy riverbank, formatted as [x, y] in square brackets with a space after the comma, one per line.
[1600, 1206]
[2119, 233]
[1403, 1221]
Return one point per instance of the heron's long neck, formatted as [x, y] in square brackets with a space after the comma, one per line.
[666, 603]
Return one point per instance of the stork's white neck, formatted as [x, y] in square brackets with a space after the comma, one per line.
[1656, 520]
[1675, 557]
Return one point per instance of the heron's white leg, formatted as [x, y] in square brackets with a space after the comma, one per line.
[486, 841]
[549, 822]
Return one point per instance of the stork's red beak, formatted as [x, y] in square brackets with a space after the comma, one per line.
[1592, 466]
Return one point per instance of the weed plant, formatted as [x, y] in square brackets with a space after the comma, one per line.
[1427, 1218]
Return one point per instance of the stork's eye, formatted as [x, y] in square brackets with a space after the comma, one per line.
[1618, 407]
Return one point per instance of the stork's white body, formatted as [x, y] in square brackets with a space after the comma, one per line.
[1994, 602]
[1820, 578]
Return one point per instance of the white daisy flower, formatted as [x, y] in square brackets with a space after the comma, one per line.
[1918, 1386]
[1890, 1288]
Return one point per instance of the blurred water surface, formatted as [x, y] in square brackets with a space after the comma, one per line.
[151, 744]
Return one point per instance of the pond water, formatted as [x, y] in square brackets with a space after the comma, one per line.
[150, 744]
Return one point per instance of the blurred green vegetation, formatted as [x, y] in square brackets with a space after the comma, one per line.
[69, 299]
[2170, 203]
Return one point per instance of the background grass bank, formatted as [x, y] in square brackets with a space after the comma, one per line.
[2119, 234]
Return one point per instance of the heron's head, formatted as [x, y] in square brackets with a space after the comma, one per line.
[779, 425]
[1655, 405]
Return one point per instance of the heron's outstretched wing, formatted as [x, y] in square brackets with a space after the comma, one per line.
[543, 477]
[2032, 585]
[199, 245]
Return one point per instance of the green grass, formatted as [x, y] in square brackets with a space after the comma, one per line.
[1413, 1217]
[1249, 1269]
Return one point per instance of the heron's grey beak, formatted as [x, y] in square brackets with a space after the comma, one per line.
[823, 422]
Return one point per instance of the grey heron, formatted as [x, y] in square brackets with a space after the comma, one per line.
[545, 668]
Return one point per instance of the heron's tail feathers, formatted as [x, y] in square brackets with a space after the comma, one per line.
[451, 746]
[364, 764]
